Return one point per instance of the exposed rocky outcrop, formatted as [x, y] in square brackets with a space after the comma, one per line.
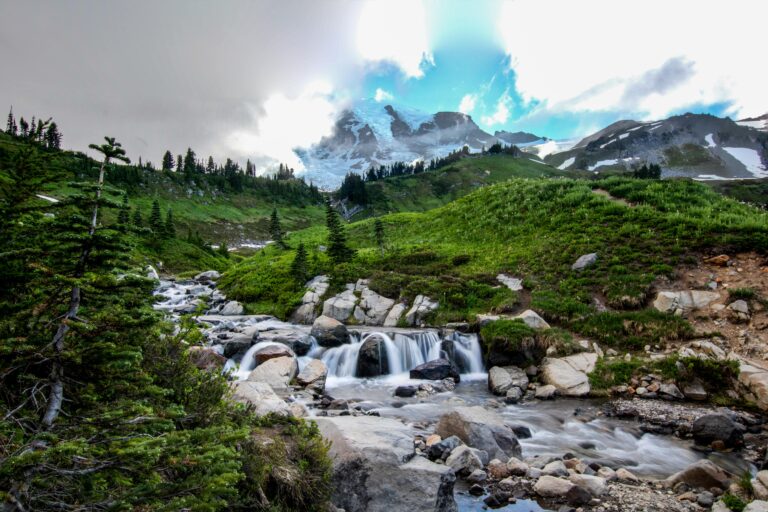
[341, 306]
[373, 308]
[374, 469]
[422, 306]
[316, 288]
[569, 374]
[502, 379]
[684, 301]
[394, 315]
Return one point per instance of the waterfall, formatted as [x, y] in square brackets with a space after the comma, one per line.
[404, 351]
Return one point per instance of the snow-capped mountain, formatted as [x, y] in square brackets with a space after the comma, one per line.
[759, 123]
[693, 145]
[372, 134]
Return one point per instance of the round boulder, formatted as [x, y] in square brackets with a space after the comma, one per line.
[271, 352]
[372, 359]
[329, 332]
[716, 427]
[437, 369]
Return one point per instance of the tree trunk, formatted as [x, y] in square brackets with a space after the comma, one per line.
[56, 396]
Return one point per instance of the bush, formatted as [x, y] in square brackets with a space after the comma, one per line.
[634, 329]
[733, 502]
[742, 294]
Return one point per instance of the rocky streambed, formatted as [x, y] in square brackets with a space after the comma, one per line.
[417, 423]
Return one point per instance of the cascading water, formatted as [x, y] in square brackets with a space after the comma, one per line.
[404, 351]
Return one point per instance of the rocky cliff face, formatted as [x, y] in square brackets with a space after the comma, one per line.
[691, 145]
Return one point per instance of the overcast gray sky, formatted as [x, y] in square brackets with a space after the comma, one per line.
[256, 78]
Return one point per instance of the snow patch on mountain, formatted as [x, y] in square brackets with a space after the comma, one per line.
[750, 158]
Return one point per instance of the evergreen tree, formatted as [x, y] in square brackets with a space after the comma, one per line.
[378, 231]
[275, 231]
[223, 249]
[53, 137]
[156, 219]
[211, 167]
[337, 239]
[179, 163]
[167, 161]
[11, 128]
[299, 267]
[170, 229]
[137, 220]
[110, 150]
[24, 128]
[189, 165]
[124, 215]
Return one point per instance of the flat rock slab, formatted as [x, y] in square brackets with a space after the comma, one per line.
[375, 470]
[569, 374]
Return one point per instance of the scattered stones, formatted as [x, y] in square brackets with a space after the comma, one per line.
[206, 277]
[569, 374]
[514, 395]
[695, 391]
[739, 311]
[329, 332]
[720, 260]
[298, 341]
[437, 369]
[441, 449]
[555, 468]
[670, 391]
[513, 283]
[552, 487]
[587, 260]
[594, 484]
[626, 475]
[516, 467]
[498, 470]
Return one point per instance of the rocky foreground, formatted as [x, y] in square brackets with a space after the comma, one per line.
[386, 464]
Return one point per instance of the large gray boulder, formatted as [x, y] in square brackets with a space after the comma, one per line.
[316, 288]
[271, 352]
[231, 308]
[278, 372]
[502, 379]
[210, 275]
[261, 396]
[716, 427]
[481, 429]
[313, 376]
[422, 306]
[584, 261]
[684, 301]
[374, 307]
[341, 306]
[393, 317]
[374, 469]
[464, 460]
[372, 358]
[297, 341]
[569, 374]
[437, 369]
[703, 473]
[532, 319]
[329, 332]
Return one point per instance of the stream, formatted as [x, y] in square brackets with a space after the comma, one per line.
[557, 426]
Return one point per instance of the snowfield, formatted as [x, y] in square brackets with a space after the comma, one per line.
[567, 163]
[751, 160]
[710, 140]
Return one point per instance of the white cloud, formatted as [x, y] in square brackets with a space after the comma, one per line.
[287, 123]
[382, 95]
[501, 114]
[467, 103]
[395, 31]
[688, 51]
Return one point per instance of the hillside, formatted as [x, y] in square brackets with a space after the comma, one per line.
[692, 145]
[530, 228]
[431, 189]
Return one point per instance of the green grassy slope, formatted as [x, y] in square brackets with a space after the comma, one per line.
[432, 189]
[534, 229]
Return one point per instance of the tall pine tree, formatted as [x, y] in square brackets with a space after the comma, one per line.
[299, 266]
[137, 220]
[378, 232]
[275, 231]
[338, 250]
[156, 219]
[170, 229]
[124, 215]
[167, 161]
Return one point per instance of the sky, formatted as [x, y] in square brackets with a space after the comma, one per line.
[254, 79]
